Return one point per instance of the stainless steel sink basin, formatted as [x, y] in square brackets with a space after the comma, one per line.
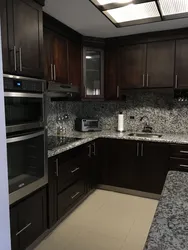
[145, 135]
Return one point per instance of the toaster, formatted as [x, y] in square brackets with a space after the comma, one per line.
[87, 124]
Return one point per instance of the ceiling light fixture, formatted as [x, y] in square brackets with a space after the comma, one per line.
[88, 57]
[133, 12]
[103, 2]
[173, 7]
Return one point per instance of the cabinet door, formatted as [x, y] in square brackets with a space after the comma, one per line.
[154, 166]
[160, 64]
[28, 35]
[52, 191]
[133, 65]
[32, 218]
[14, 228]
[74, 58]
[181, 72]
[60, 59]
[48, 58]
[120, 166]
[111, 74]
[93, 75]
[6, 50]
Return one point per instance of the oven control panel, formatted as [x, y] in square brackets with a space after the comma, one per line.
[24, 85]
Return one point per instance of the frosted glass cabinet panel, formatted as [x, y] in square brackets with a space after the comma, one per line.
[93, 73]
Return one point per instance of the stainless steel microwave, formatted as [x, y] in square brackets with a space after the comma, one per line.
[86, 125]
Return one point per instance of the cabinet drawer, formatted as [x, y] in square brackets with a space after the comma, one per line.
[69, 172]
[69, 197]
[180, 151]
[179, 164]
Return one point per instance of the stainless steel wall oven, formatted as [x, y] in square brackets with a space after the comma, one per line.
[26, 135]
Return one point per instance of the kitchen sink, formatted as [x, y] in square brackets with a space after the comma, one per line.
[149, 135]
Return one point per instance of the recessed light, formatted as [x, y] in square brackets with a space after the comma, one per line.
[133, 12]
[103, 2]
[172, 7]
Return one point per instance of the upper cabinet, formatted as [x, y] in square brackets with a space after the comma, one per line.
[111, 86]
[133, 66]
[93, 73]
[62, 59]
[181, 67]
[160, 64]
[22, 38]
[148, 65]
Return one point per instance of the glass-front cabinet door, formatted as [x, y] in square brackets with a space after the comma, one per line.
[93, 73]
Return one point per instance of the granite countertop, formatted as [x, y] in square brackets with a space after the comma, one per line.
[169, 230]
[89, 136]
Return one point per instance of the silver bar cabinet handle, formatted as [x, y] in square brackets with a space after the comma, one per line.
[147, 80]
[74, 196]
[176, 83]
[137, 149]
[51, 71]
[20, 55]
[184, 152]
[89, 147]
[117, 91]
[142, 150]
[143, 80]
[15, 61]
[184, 166]
[23, 229]
[54, 72]
[94, 149]
[57, 167]
[76, 169]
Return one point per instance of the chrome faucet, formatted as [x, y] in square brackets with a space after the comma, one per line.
[147, 128]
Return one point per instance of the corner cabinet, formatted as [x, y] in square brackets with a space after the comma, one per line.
[93, 73]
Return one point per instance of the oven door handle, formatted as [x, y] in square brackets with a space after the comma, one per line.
[24, 137]
[22, 95]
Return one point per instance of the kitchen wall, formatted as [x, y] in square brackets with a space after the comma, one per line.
[166, 115]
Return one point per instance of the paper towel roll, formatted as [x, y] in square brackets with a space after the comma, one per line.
[120, 122]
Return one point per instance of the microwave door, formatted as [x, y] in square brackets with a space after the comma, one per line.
[23, 111]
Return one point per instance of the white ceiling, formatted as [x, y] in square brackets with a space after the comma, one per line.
[84, 17]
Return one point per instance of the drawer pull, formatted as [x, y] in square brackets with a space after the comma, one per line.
[74, 196]
[23, 229]
[184, 152]
[183, 166]
[76, 169]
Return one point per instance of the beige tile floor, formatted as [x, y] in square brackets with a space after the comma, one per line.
[105, 221]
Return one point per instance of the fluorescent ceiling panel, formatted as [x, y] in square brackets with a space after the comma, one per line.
[103, 2]
[133, 12]
[171, 7]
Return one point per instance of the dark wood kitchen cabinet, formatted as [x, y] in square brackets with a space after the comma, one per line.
[160, 64]
[62, 59]
[74, 63]
[23, 39]
[119, 166]
[133, 66]
[28, 220]
[111, 86]
[134, 165]
[154, 160]
[181, 72]
[72, 174]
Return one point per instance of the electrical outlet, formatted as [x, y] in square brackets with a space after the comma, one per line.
[131, 117]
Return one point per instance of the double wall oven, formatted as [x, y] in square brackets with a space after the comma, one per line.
[26, 135]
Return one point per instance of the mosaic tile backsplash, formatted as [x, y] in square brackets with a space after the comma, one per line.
[165, 114]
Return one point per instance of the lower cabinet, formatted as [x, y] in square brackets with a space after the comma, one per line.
[28, 220]
[69, 197]
[72, 174]
[134, 165]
